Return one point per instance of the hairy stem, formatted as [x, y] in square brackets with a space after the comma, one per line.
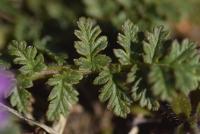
[51, 70]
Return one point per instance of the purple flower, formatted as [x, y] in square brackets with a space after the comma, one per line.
[7, 83]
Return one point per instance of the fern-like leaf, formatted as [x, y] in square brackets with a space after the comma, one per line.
[153, 47]
[145, 100]
[20, 97]
[63, 94]
[162, 82]
[27, 56]
[140, 94]
[118, 101]
[184, 59]
[178, 70]
[89, 46]
[126, 39]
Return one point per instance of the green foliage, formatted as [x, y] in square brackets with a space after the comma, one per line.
[100, 8]
[150, 69]
[131, 76]
[20, 97]
[153, 47]
[184, 60]
[141, 94]
[153, 68]
[181, 105]
[113, 92]
[63, 95]
[127, 57]
[178, 8]
[23, 31]
[6, 6]
[153, 51]
[27, 56]
[89, 46]
[145, 100]
[166, 70]
[178, 70]
[126, 39]
[162, 83]
[146, 13]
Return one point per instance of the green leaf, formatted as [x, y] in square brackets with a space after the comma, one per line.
[131, 77]
[145, 99]
[27, 28]
[184, 59]
[138, 93]
[7, 8]
[162, 84]
[118, 100]
[63, 95]
[179, 70]
[89, 46]
[27, 56]
[153, 47]
[181, 105]
[101, 9]
[126, 39]
[20, 97]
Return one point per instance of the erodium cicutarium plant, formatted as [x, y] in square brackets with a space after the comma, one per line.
[151, 68]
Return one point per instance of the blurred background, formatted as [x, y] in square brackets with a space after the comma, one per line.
[52, 23]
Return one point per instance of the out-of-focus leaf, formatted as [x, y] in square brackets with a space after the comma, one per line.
[7, 8]
[181, 105]
[27, 28]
